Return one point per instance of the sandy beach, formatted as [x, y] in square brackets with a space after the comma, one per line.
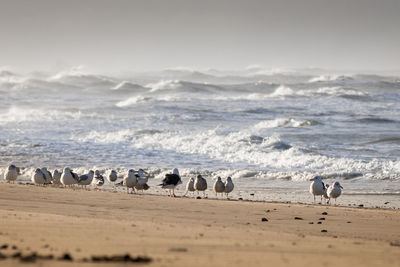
[165, 231]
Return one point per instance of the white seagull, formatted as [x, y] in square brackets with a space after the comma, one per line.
[11, 173]
[130, 181]
[219, 186]
[38, 177]
[190, 186]
[228, 186]
[68, 177]
[171, 181]
[317, 187]
[200, 184]
[86, 179]
[334, 191]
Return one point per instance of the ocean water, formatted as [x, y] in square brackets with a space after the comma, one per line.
[270, 130]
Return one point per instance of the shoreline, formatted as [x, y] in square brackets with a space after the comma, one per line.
[156, 191]
[187, 231]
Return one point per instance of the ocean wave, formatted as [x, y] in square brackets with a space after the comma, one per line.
[128, 86]
[376, 120]
[18, 115]
[244, 147]
[391, 140]
[285, 122]
[330, 78]
[179, 86]
[133, 100]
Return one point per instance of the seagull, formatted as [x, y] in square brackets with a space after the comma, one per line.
[190, 186]
[38, 177]
[130, 181]
[334, 191]
[171, 181]
[141, 180]
[56, 177]
[200, 184]
[98, 179]
[11, 174]
[86, 179]
[47, 175]
[112, 177]
[317, 187]
[68, 177]
[228, 186]
[219, 186]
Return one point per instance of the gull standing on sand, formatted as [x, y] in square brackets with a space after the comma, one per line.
[56, 177]
[171, 181]
[219, 186]
[38, 177]
[200, 184]
[228, 186]
[317, 187]
[86, 179]
[98, 179]
[112, 177]
[68, 177]
[190, 186]
[334, 191]
[141, 181]
[11, 173]
[47, 175]
[130, 181]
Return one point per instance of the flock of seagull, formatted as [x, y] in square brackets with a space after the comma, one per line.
[318, 188]
[137, 181]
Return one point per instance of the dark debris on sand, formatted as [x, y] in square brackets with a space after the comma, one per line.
[121, 258]
[298, 218]
[65, 257]
[324, 213]
[395, 244]
[178, 249]
[264, 219]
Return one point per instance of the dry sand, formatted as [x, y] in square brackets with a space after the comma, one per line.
[190, 232]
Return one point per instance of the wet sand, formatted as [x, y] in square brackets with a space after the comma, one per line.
[188, 232]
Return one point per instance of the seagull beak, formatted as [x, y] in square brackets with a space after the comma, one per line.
[312, 179]
[341, 187]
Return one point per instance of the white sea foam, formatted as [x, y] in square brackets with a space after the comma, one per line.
[236, 147]
[284, 122]
[17, 115]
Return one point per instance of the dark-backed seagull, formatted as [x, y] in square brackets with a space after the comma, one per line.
[171, 181]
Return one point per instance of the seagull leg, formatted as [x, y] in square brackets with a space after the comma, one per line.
[173, 192]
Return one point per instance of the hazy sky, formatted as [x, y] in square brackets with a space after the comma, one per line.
[147, 34]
